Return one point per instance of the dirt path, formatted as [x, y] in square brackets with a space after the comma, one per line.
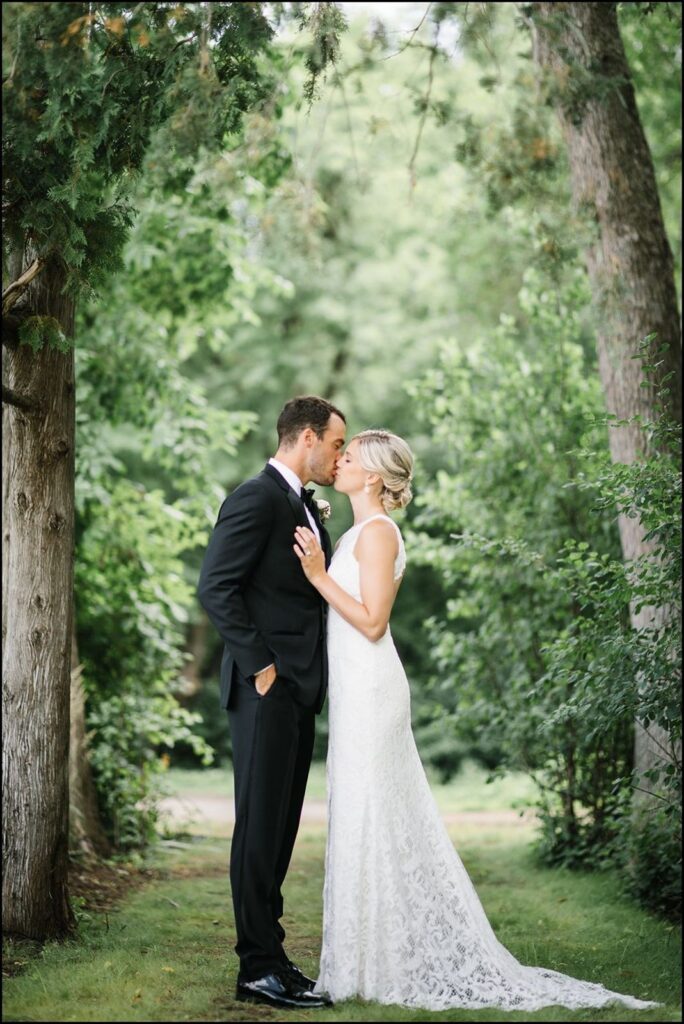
[218, 809]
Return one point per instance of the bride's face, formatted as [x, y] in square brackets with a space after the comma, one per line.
[351, 476]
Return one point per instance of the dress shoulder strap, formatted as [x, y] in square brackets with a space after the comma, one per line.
[378, 515]
[400, 561]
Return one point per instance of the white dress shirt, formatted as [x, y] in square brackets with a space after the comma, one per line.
[296, 484]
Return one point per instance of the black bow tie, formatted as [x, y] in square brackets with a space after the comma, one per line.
[307, 496]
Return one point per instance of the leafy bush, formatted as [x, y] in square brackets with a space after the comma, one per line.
[126, 764]
[212, 727]
[131, 602]
[652, 860]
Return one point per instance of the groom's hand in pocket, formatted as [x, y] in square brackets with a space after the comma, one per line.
[263, 681]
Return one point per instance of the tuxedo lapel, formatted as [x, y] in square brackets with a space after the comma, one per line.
[297, 506]
[325, 543]
[293, 500]
[325, 539]
[299, 510]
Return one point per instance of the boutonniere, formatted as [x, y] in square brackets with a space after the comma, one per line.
[324, 509]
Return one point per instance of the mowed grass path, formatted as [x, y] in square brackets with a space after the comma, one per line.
[166, 952]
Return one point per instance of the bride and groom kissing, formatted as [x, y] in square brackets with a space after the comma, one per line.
[402, 922]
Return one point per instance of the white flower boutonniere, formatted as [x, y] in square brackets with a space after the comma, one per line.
[324, 509]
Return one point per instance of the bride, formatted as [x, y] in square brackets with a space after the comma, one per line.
[402, 922]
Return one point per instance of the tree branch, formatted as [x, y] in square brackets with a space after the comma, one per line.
[411, 37]
[186, 40]
[18, 287]
[20, 401]
[668, 751]
[640, 789]
[412, 161]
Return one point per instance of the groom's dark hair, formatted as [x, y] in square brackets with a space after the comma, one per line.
[302, 412]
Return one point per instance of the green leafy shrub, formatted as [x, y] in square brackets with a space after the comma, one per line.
[132, 601]
[651, 852]
[126, 763]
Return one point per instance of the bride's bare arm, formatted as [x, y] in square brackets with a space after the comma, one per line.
[376, 551]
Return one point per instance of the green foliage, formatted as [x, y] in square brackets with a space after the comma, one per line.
[131, 602]
[37, 331]
[651, 852]
[326, 22]
[82, 99]
[519, 159]
[210, 727]
[127, 767]
[129, 621]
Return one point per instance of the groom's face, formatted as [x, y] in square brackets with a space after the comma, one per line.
[326, 452]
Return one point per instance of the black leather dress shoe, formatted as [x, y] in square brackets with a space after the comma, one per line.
[279, 989]
[299, 976]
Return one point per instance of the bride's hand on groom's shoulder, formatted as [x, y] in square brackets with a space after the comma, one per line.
[310, 553]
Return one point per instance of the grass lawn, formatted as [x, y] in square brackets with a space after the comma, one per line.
[165, 953]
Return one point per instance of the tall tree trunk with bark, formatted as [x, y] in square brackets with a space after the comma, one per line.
[37, 586]
[629, 260]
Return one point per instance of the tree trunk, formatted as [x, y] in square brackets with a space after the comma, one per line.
[37, 585]
[629, 260]
[86, 834]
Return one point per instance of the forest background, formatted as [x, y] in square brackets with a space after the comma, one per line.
[389, 225]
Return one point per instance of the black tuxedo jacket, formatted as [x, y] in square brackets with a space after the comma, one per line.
[254, 590]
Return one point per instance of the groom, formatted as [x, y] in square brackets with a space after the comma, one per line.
[273, 680]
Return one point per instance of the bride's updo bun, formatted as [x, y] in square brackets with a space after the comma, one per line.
[391, 458]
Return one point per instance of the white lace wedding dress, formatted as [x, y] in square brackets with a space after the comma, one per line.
[402, 922]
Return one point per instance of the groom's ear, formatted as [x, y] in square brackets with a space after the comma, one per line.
[304, 438]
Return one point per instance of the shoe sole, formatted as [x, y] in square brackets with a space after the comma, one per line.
[242, 997]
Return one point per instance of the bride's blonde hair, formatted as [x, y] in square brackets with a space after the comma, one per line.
[388, 455]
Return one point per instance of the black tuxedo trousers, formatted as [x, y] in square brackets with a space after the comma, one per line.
[254, 590]
[273, 739]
